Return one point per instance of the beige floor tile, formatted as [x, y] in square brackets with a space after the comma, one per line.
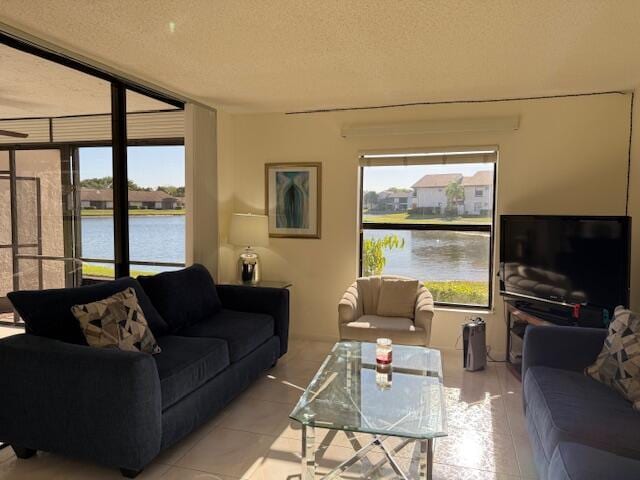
[259, 416]
[484, 412]
[524, 456]
[45, 466]
[277, 389]
[174, 453]
[227, 452]
[6, 454]
[489, 451]
[508, 382]
[180, 473]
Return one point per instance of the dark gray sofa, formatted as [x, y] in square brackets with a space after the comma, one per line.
[121, 409]
[578, 427]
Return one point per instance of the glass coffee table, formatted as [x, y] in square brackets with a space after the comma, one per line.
[352, 394]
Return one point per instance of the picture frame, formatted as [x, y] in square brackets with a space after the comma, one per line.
[293, 199]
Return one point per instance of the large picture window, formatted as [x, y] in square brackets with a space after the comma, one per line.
[431, 221]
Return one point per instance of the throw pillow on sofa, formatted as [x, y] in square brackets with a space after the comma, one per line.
[618, 364]
[397, 297]
[116, 322]
[183, 297]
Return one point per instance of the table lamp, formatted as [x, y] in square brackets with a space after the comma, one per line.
[248, 230]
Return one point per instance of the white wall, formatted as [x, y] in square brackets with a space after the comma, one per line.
[568, 157]
[431, 197]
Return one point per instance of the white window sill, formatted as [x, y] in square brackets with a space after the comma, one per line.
[479, 311]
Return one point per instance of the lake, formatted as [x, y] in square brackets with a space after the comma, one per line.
[157, 238]
[438, 255]
[427, 255]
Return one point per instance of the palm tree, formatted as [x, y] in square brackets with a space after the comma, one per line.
[455, 196]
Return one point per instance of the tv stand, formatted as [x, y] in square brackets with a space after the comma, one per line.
[521, 314]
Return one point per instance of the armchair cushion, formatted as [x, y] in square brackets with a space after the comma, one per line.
[183, 297]
[397, 297]
[47, 313]
[380, 322]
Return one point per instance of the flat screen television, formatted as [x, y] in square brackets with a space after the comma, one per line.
[566, 259]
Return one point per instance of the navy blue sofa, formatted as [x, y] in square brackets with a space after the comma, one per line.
[578, 427]
[121, 409]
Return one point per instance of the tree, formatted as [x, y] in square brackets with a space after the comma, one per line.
[97, 183]
[373, 259]
[370, 199]
[455, 195]
[171, 190]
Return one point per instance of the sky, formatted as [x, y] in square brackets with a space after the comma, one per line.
[148, 166]
[379, 179]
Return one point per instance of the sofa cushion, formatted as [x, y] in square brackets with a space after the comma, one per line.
[187, 363]
[243, 331]
[572, 461]
[618, 365]
[47, 313]
[116, 322]
[183, 297]
[568, 406]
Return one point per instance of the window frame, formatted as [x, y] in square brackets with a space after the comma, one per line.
[490, 228]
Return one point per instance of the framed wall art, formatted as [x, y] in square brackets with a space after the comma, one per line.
[293, 199]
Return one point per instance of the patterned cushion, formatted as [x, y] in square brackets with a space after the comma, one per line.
[618, 364]
[116, 322]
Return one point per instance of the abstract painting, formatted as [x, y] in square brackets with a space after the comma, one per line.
[293, 199]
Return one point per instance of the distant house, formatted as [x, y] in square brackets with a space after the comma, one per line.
[103, 199]
[395, 201]
[478, 192]
[431, 191]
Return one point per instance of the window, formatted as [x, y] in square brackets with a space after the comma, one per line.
[479, 192]
[445, 237]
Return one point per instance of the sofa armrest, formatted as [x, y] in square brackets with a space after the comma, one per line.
[99, 404]
[349, 307]
[566, 348]
[272, 301]
[423, 316]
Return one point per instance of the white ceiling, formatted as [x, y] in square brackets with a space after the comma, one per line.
[290, 55]
[33, 87]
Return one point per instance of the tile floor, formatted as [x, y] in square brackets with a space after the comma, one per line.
[253, 438]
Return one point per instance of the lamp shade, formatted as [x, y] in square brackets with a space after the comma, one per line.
[249, 230]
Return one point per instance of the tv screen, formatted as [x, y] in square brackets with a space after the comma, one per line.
[572, 260]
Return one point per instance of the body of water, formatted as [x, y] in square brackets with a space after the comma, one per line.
[426, 255]
[438, 255]
[151, 238]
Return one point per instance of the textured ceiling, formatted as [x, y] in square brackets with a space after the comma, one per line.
[33, 87]
[289, 55]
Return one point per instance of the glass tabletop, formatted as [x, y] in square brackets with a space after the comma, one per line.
[350, 392]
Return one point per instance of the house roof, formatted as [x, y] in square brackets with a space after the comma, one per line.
[106, 195]
[437, 180]
[482, 177]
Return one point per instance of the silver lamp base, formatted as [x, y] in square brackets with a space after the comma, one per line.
[249, 267]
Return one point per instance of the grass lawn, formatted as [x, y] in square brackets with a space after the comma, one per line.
[470, 293]
[108, 272]
[405, 217]
[89, 212]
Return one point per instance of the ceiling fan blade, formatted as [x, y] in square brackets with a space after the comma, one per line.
[9, 133]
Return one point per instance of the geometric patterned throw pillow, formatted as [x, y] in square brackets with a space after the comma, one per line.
[116, 322]
[618, 364]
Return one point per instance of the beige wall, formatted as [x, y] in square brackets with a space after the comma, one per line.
[568, 157]
[201, 186]
[634, 205]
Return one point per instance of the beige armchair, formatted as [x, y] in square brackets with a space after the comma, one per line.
[359, 320]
